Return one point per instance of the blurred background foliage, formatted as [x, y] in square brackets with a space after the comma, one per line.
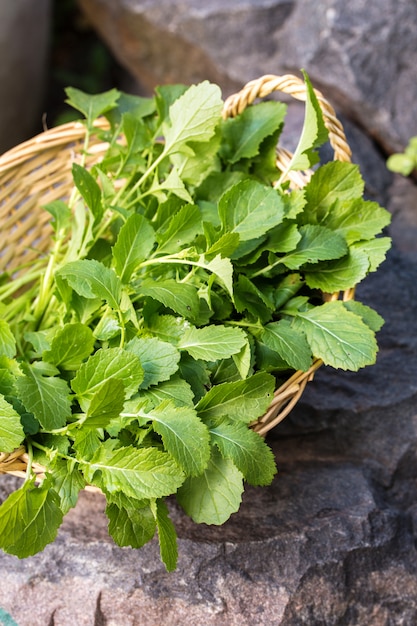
[78, 58]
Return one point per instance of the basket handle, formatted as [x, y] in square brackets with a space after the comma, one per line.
[295, 87]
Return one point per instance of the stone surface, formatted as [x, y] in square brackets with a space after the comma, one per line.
[362, 54]
[24, 41]
[331, 542]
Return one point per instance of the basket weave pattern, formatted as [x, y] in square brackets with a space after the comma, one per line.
[38, 171]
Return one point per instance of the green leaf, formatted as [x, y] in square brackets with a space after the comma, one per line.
[246, 449]
[83, 309]
[92, 106]
[175, 389]
[223, 269]
[356, 219]
[289, 343]
[8, 376]
[249, 298]
[283, 238]
[11, 429]
[224, 371]
[47, 397]
[105, 183]
[180, 297]
[243, 359]
[91, 279]
[243, 400]
[137, 133]
[61, 214]
[162, 213]
[214, 186]
[193, 117]
[401, 163]
[313, 134]
[287, 288]
[337, 336]
[137, 106]
[294, 203]
[53, 444]
[89, 190]
[108, 326]
[411, 148]
[29, 520]
[368, 315]
[70, 346]
[263, 167]
[81, 227]
[132, 524]
[317, 243]
[212, 342]
[183, 227]
[7, 340]
[250, 209]
[40, 340]
[340, 274]
[333, 181]
[376, 250]
[105, 404]
[173, 183]
[86, 442]
[67, 481]
[167, 327]
[165, 96]
[167, 537]
[196, 374]
[268, 360]
[159, 359]
[243, 135]
[107, 364]
[134, 244]
[142, 473]
[184, 436]
[224, 246]
[212, 497]
[194, 168]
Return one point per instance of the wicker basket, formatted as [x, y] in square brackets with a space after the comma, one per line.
[39, 171]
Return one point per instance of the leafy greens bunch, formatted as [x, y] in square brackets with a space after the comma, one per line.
[183, 283]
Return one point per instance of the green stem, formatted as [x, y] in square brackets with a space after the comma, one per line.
[105, 224]
[190, 275]
[48, 450]
[44, 296]
[29, 449]
[122, 328]
[137, 185]
[266, 269]
[138, 414]
[75, 192]
[242, 324]
[18, 305]
[17, 283]
[168, 259]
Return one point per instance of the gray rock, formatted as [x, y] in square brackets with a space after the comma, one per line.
[362, 54]
[403, 206]
[310, 529]
[24, 41]
[318, 546]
